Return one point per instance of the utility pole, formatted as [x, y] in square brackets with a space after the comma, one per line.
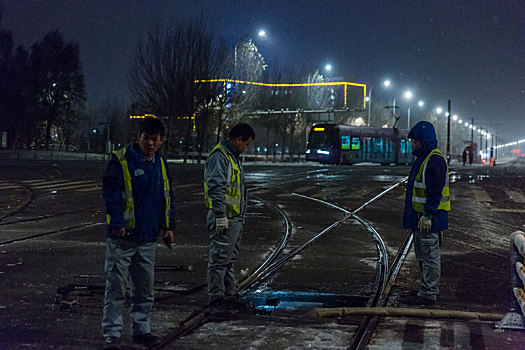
[448, 133]
[480, 142]
[108, 143]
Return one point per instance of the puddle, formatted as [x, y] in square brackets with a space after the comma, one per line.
[291, 302]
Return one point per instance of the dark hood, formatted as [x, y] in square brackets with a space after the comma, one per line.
[424, 132]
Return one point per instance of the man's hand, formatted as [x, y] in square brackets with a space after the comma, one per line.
[221, 224]
[119, 232]
[168, 238]
[424, 224]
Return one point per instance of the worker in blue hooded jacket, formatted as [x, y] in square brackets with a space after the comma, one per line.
[139, 200]
[427, 204]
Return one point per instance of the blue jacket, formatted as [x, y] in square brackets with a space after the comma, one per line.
[148, 195]
[435, 178]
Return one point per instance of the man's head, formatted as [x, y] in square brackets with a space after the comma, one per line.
[151, 135]
[423, 138]
[240, 137]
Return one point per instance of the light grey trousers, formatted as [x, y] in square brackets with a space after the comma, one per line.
[427, 246]
[224, 249]
[139, 261]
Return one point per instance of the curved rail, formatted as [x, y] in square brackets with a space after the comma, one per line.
[201, 317]
[274, 264]
[25, 205]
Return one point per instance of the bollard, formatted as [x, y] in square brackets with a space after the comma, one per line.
[514, 318]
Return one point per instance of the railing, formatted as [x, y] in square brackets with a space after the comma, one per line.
[42, 155]
[514, 319]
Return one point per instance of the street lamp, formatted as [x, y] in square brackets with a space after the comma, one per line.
[328, 67]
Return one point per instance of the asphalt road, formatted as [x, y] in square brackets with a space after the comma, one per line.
[51, 235]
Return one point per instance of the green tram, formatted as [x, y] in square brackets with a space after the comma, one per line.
[345, 144]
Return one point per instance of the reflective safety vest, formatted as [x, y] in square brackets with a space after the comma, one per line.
[127, 194]
[232, 191]
[419, 194]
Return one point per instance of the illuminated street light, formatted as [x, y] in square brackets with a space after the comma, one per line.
[455, 117]
[408, 94]
[328, 67]
[386, 83]
[460, 121]
[421, 103]
[262, 33]
[439, 110]
[466, 123]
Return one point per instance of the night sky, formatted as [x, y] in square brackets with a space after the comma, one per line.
[472, 52]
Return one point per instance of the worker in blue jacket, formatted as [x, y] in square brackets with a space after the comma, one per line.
[427, 204]
[140, 204]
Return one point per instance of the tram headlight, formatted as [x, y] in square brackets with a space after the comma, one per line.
[307, 151]
[320, 151]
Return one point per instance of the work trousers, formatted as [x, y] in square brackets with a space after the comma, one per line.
[222, 256]
[137, 260]
[427, 246]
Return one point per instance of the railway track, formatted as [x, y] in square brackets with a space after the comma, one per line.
[385, 274]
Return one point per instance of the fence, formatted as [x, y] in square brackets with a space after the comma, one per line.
[514, 319]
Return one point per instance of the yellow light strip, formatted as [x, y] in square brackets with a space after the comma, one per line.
[290, 85]
[142, 116]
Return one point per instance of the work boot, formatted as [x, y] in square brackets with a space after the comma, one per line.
[234, 302]
[147, 339]
[416, 300]
[112, 343]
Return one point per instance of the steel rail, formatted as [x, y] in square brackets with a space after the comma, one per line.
[366, 328]
[201, 317]
[272, 265]
[25, 205]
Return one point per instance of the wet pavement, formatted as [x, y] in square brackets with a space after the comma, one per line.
[57, 241]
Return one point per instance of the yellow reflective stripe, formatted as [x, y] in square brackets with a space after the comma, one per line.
[232, 192]
[127, 195]
[419, 190]
[167, 199]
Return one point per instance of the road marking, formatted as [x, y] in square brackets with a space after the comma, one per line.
[63, 185]
[38, 184]
[502, 210]
[481, 195]
[515, 196]
[97, 187]
[8, 187]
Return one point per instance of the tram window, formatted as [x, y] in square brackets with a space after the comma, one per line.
[322, 139]
[409, 146]
[356, 143]
[377, 145]
[403, 146]
[345, 142]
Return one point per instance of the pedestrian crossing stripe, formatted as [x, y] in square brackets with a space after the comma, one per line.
[9, 187]
[62, 185]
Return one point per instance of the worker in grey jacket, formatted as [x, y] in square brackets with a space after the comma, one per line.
[225, 196]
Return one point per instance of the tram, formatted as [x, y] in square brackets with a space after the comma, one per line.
[345, 144]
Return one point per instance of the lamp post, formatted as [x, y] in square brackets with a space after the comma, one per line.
[448, 133]
[369, 104]
[408, 96]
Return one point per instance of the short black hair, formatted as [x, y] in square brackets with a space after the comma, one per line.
[243, 130]
[151, 126]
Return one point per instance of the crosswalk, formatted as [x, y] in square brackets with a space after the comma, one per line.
[63, 185]
[429, 334]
